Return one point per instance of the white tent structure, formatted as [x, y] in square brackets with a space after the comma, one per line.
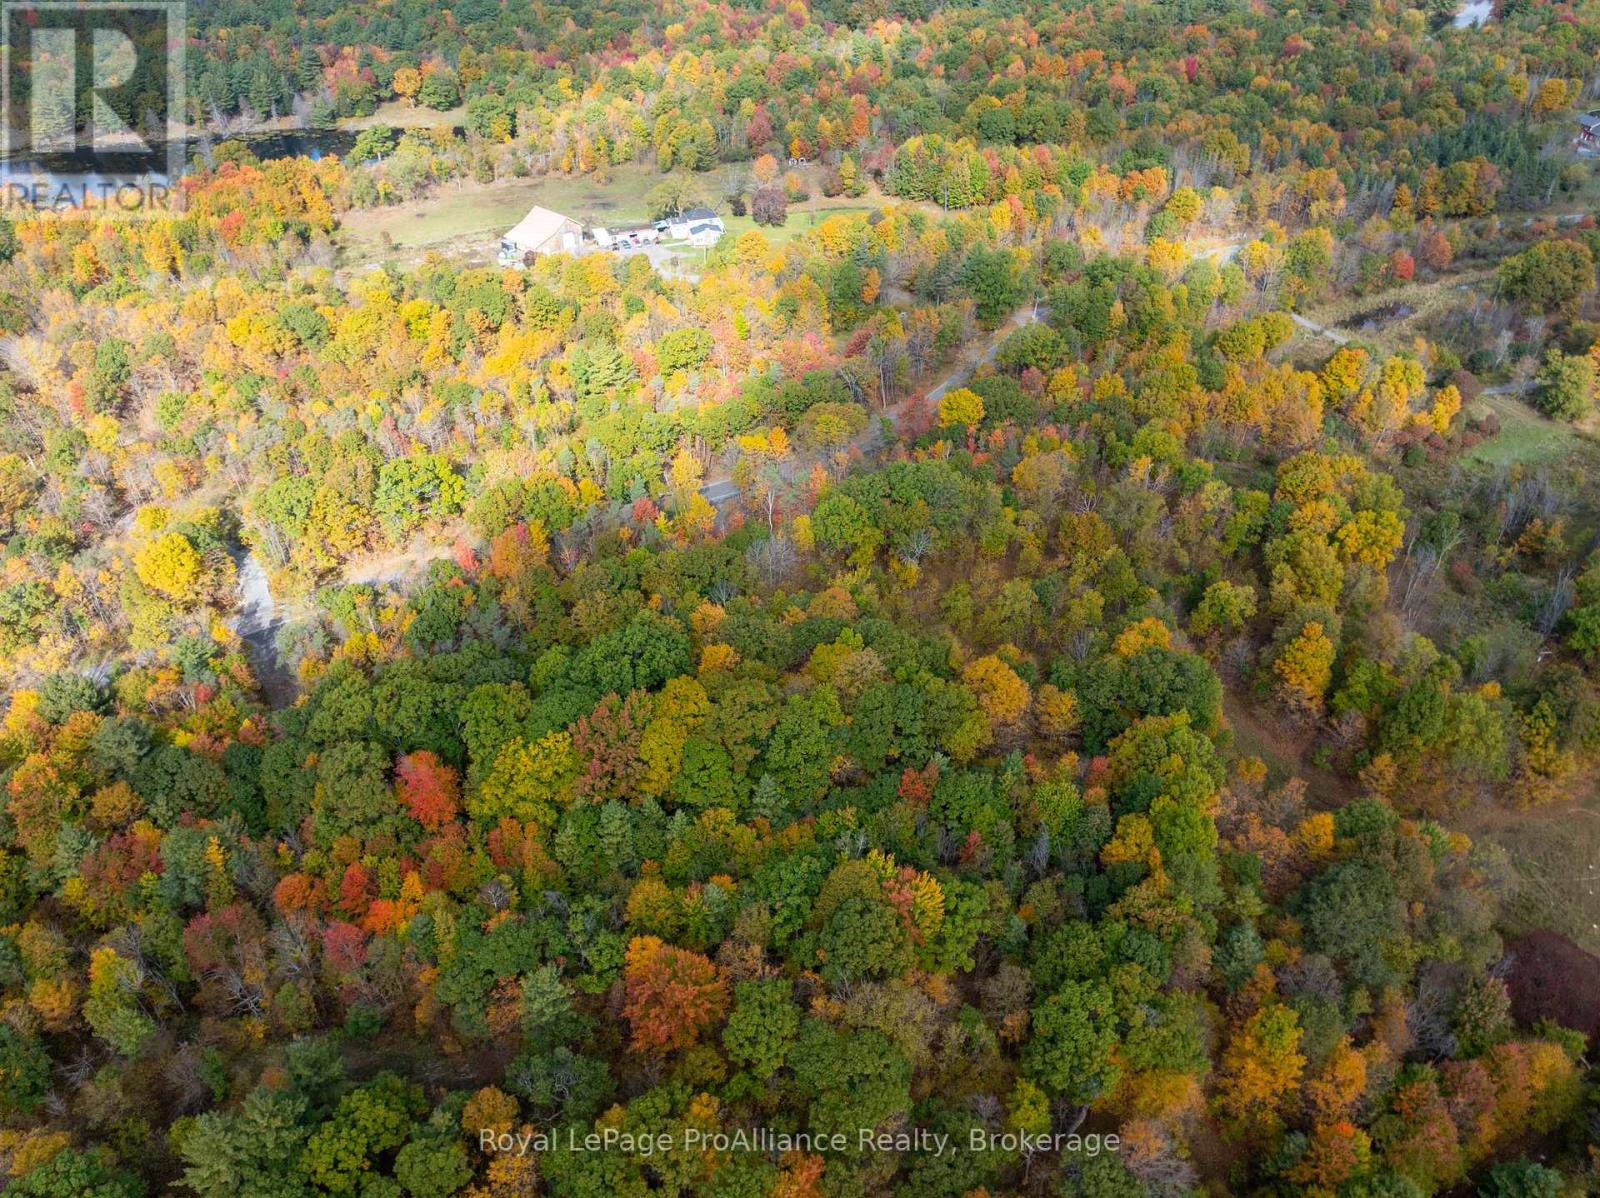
[541, 232]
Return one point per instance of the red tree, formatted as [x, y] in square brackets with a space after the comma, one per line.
[759, 130]
[1434, 251]
[356, 890]
[344, 948]
[769, 206]
[428, 787]
[671, 995]
[227, 951]
[607, 741]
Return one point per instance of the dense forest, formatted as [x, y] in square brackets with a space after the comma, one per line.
[1098, 750]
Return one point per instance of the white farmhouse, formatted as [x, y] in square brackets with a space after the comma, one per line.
[698, 225]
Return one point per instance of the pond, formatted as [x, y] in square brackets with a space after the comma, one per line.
[1374, 320]
[1473, 13]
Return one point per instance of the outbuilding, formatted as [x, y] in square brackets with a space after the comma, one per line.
[1588, 138]
[540, 232]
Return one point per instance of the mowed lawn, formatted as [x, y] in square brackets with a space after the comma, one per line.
[802, 217]
[397, 114]
[474, 210]
[1528, 436]
[469, 216]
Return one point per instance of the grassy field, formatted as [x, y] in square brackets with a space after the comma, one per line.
[1386, 323]
[397, 114]
[1555, 860]
[1392, 321]
[1524, 436]
[1424, 301]
[467, 217]
[470, 211]
[802, 217]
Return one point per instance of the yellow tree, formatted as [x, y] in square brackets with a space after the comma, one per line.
[961, 408]
[407, 81]
[1343, 374]
[1142, 634]
[1446, 404]
[1305, 666]
[1552, 95]
[1003, 696]
[1333, 1092]
[169, 564]
[1372, 538]
[1057, 712]
[686, 471]
[1260, 1068]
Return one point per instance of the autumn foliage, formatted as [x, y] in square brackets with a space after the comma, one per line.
[671, 997]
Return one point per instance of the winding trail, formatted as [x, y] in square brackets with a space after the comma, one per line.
[257, 619]
[258, 610]
[1029, 313]
[1321, 330]
[723, 493]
